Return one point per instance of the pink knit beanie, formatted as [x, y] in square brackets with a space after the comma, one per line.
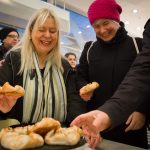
[104, 9]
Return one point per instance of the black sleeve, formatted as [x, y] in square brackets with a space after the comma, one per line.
[82, 67]
[134, 89]
[6, 73]
[139, 42]
[75, 105]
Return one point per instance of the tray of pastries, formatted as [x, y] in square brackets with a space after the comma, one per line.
[46, 134]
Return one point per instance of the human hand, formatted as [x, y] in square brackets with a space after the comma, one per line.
[92, 123]
[135, 121]
[7, 102]
[86, 97]
[1, 62]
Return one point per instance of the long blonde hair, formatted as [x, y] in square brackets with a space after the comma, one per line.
[26, 44]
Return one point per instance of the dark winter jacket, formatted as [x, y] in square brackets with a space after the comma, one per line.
[9, 72]
[3, 51]
[134, 88]
[108, 64]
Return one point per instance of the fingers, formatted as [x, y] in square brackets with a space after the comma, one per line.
[86, 97]
[94, 141]
[7, 102]
[136, 120]
[79, 121]
[129, 120]
[130, 127]
[134, 126]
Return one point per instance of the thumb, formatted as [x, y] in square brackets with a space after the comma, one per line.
[129, 119]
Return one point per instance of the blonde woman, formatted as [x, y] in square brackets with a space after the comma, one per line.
[36, 64]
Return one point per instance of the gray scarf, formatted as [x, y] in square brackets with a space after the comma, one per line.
[45, 96]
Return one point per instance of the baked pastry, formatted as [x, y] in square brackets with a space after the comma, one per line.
[64, 136]
[14, 140]
[89, 88]
[29, 137]
[5, 130]
[9, 90]
[20, 130]
[44, 126]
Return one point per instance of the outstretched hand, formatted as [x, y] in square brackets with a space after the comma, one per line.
[92, 123]
[7, 102]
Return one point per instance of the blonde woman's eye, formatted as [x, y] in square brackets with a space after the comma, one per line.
[41, 30]
[53, 31]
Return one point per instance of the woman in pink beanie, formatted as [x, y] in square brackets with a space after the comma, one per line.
[106, 61]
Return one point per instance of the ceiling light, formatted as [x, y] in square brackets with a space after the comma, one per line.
[79, 32]
[138, 28]
[135, 11]
[88, 26]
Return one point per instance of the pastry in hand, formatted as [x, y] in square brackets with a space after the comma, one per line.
[89, 88]
[64, 136]
[9, 90]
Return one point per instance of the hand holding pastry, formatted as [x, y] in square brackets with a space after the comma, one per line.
[87, 97]
[9, 96]
[86, 92]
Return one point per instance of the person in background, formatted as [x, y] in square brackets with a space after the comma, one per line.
[9, 38]
[72, 59]
[35, 63]
[134, 89]
[106, 61]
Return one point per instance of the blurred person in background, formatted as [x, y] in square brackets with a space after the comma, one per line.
[72, 59]
[106, 61]
[9, 37]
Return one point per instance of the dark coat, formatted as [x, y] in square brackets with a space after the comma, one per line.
[3, 51]
[135, 88]
[9, 72]
[108, 64]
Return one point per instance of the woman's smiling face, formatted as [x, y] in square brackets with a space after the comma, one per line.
[45, 37]
[106, 29]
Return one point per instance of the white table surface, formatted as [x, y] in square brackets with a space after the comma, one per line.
[110, 145]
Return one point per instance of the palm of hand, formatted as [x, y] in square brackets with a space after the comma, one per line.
[7, 102]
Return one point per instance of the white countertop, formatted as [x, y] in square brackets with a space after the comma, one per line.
[110, 145]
